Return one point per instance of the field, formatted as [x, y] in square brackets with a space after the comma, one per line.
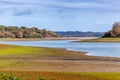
[102, 40]
[36, 63]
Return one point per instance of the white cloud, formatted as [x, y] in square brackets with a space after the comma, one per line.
[93, 4]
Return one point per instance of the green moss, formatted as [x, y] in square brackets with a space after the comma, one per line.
[22, 50]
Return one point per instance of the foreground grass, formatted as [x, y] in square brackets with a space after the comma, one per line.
[22, 75]
[102, 40]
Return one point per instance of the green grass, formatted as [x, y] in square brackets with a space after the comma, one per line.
[19, 50]
[102, 75]
[12, 50]
[25, 50]
[102, 40]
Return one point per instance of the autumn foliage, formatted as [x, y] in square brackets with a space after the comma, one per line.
[115, 32]
[24, 32]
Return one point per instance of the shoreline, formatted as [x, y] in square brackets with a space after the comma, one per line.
[84, 53]
[69, 50]
[101, 40]
[40, 39]
[57, 60]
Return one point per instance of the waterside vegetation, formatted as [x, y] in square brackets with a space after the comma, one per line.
[102, 40]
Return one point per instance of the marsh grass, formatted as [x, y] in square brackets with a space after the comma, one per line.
[12, 50]
[25, 50]
[102, 40]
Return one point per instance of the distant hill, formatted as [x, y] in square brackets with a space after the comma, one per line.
[24, 32]
[79, 34]
[114, 32]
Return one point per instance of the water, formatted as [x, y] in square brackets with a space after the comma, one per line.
[94, 49]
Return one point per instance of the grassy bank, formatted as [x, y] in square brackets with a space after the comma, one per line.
[27, 52]
[102, 40]
[12, 50]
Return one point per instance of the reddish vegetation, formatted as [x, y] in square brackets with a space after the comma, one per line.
[31, 75]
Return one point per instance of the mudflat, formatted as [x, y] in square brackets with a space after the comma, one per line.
[24, 58]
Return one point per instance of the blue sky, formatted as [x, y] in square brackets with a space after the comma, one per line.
[61, 15]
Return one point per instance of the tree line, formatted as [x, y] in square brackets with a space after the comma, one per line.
[24, 32]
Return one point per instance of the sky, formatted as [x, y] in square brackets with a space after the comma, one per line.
[61, 15]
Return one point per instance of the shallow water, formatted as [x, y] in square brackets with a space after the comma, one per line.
[94, 49]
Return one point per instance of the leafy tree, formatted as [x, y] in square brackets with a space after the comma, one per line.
[115, 32]
[19, 34]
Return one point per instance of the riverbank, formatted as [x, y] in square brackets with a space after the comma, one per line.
[39, 39]
[48, 59]
[101, 40]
